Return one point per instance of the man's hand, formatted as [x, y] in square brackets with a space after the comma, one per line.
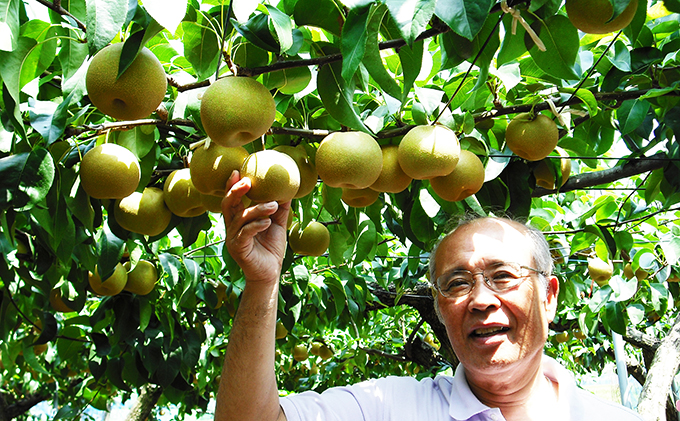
[256, 240]
[256, 236]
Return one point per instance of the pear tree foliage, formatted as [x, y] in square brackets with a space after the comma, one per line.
[364, 308]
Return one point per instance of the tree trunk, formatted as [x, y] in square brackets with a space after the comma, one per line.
[3, 408]
[660, 375]
[145, 403]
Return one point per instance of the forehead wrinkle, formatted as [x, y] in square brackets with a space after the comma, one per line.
[481, 243]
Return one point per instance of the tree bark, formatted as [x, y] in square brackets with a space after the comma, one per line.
[660, 375]
[581, 181]
[145, 402]
[3, 408]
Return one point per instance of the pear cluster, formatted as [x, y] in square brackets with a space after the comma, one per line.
[355, 162]
[140, 280]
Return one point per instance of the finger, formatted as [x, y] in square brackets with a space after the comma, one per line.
[281, 216]
[250, 215]
[249, 231]
[232, 203]
[259, 211]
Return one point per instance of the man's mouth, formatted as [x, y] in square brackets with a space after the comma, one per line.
[489, 331]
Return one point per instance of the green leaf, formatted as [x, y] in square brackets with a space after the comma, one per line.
[619, 56]
[636, 313]
[421, 223]
[631, 114]
[412, 61]
[190, 228]
[605, 235]
[9, 24]
[623, 289]
[201, 48]
[114, 371]
[15, 66]
[584, 95]
[320, 13]
[489, 31]
[169, 13]
[25, 179]
[49, 119]
[338, 97]
[72, 54]
[513, 44]
[282, 26]
[372, 58]
[256, 30]
[672, 5]
[615, 317]
[653, 185]
[354, 37]
[562, 44]
[104, 20]
[172, 266]
[366, 241]
[131, 46]
[16, 122]
[464, 17]
[411, 16]
[618, 7]
[49, 328]
[670, 245]
[69, 345]
[110, 249]
[338, 293]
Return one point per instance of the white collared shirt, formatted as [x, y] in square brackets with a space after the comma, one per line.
[443, 398]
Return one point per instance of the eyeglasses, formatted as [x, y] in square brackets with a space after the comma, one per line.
[499, 277]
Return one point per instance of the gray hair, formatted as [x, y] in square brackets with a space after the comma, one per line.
[540, 250]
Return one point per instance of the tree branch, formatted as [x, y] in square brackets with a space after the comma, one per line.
[145, 402]
[591, 179]
[420, 298]
[57, 8]
[24, 405]
[660, 375]
[320, 61]
[641, 340]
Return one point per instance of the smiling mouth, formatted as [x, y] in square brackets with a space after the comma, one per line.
[485, 332]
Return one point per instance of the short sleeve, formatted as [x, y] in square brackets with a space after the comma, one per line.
[390, 398]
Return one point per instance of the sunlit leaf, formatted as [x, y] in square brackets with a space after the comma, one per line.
[167, 13]
[464, 17]
[411, 16]
[104, 19]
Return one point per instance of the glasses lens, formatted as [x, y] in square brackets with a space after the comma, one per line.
[504, 276]
[455, 284]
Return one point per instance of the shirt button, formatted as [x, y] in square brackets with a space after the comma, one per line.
[493, 416]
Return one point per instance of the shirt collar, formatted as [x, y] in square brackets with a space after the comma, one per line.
[465, 405]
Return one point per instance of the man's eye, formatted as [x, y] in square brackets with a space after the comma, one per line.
[503, 276]
[457, 283]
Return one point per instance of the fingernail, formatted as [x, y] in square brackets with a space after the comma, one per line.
[269, 205]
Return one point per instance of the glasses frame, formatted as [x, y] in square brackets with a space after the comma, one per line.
[489, 284]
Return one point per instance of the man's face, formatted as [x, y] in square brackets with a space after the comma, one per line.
[492, 331]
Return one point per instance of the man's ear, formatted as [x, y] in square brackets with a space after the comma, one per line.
[551, 297]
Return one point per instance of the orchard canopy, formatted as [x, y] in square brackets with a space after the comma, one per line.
[381, 67]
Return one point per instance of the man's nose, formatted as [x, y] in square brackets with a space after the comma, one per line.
[482, 297]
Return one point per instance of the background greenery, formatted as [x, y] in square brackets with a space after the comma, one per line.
[377, 66]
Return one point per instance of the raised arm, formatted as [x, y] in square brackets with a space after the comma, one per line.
[256, 240]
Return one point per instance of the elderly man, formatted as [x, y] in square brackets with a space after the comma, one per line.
[495, 294]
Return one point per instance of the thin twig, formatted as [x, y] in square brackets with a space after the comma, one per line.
[479, 53]
[60, 10]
